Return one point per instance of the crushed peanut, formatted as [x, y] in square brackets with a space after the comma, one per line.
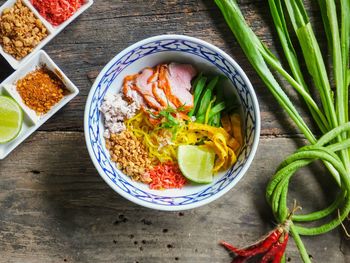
[130, 155]
[20, 30]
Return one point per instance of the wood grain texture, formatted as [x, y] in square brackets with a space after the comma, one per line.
[55, 207]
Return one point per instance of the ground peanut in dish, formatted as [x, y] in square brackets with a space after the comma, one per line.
[20, 30]
[130, 155]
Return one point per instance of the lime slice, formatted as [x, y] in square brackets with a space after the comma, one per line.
[10, 119]
[196, 164]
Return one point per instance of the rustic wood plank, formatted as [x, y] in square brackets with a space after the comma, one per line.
[55, 208]
[83, 48]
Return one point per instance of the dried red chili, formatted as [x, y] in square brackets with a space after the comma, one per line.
[57, 11]
[259, 247]
[272, 246]
[276, 251]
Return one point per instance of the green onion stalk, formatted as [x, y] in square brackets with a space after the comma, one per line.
[331, 115]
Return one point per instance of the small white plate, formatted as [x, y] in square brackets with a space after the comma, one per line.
[52, 30]
[32, 121]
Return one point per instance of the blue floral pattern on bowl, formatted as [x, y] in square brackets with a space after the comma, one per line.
[124, 184]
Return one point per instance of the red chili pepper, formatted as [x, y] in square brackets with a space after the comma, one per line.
[280, 253]
[276, 251]
[273, 246]
[257, 248]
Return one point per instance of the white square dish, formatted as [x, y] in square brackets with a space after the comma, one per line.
[32, 121]
[52, 30]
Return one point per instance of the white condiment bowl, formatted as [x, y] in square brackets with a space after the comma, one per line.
[148, 53]
[31, 120]
[52, 30]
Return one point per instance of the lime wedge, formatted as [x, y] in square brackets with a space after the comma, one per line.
[10, 119]
[196, 164]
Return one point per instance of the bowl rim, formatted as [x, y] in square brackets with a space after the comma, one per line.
[253, 147]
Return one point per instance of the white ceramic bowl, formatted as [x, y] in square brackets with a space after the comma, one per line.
[52, 30]
[150, 52]
[32, 121]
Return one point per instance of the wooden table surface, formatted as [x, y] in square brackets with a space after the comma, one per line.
[54, 207]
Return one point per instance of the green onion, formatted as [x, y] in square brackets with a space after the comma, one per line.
[288, 48]
[216, 109]
[212, 83]
[201, 118]
[197, 79]
[207, 112]
[209, 101]
[215, 120]
[345, 49]
[215, 114]
[205, 100]
[198, 89]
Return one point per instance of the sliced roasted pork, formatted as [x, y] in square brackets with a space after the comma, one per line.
[178, 84]
[159, 94]
[145, 87]
[183, 73]
[130, 93]
[162, 86]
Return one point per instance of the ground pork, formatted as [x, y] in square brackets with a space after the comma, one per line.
[115, 110]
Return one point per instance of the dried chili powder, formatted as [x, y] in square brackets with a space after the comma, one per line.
[57, 11]
[41, 89]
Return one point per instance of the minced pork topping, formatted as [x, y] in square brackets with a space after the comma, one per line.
[115, 110]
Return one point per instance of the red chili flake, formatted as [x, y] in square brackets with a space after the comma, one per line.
[57, 11]
[166, 176]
